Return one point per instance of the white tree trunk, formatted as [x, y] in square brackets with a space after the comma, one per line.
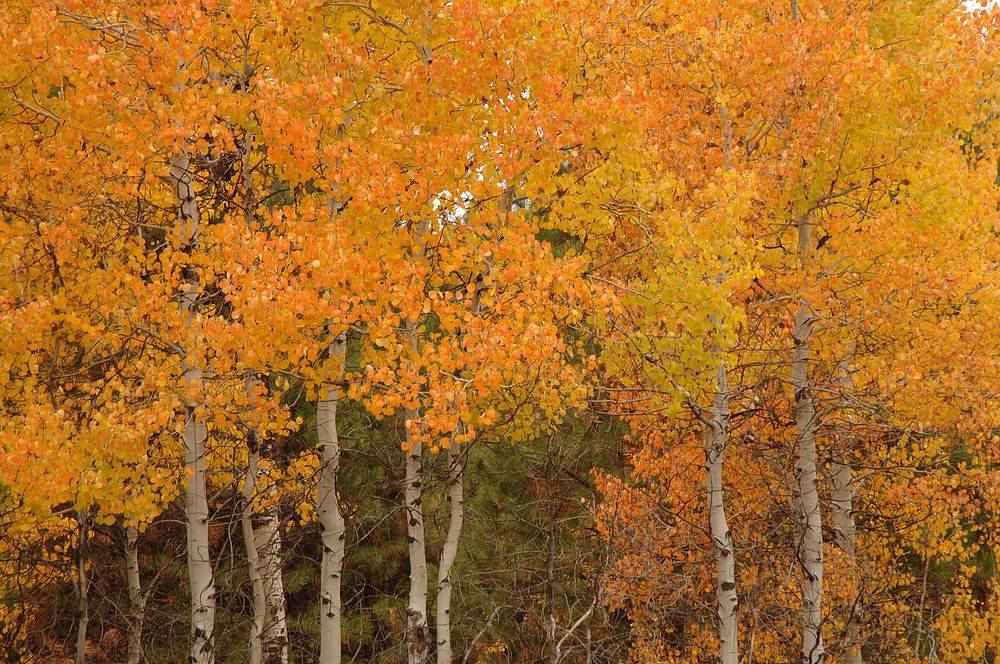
[268, 642]
[136, 597]
[331, 521]
[267, 541]
[456, 504]
[255, 653]
[456, 520]
[262, 538]
[810, 545]
[716, 432]
[261, 530]
[844, 529]
[417, 634]
[196, 498]
[716, 438]
[83, 589]
[199, 558]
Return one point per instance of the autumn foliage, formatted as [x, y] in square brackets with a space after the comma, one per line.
[699, 300]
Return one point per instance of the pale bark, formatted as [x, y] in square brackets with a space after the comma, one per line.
[716, 437]
[261, 530]
[417, 636]
[471, 646]
[331, 521]
[844, 529]
[417, 633]
[810, 545]
[199, 559]
[716, 433]
[557, 649]
[83, 589]
[268, 640]
[267, 541]
[262, 539]
[255, 648]
[255, 654]
[136, 597]
[456, 504]
[196, 498]
[456, 520]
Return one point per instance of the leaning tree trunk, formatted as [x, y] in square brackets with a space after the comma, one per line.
[136, 597]
[196, 498]
[456, 504]
[716, 432]
[810, 545]
[83, 589]
[331, 521]
[844, 529]
[456, 520]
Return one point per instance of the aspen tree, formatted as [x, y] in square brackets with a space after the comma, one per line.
[196, 496]
[332, 527]
[136, 596]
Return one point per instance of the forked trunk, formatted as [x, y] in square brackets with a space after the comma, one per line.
[268, 641]
[456, 520]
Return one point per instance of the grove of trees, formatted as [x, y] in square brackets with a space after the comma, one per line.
[481, 331]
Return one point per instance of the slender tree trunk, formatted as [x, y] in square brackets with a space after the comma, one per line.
[810, 545]
[417, 632]
[268, 643]
[550, 578]
[331, 521]
[456, 520]
[267, 541]
[136, 597]
[196, 499]
[716, 437]
[716, 432]
[551, 643]
[255, 646]
[456, 503]
[83, 589]
[261, 530]
[255, 654]
[844, 529]
[199, 558]
[417, 636]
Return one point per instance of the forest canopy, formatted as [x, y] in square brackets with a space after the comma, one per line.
[490, 331]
